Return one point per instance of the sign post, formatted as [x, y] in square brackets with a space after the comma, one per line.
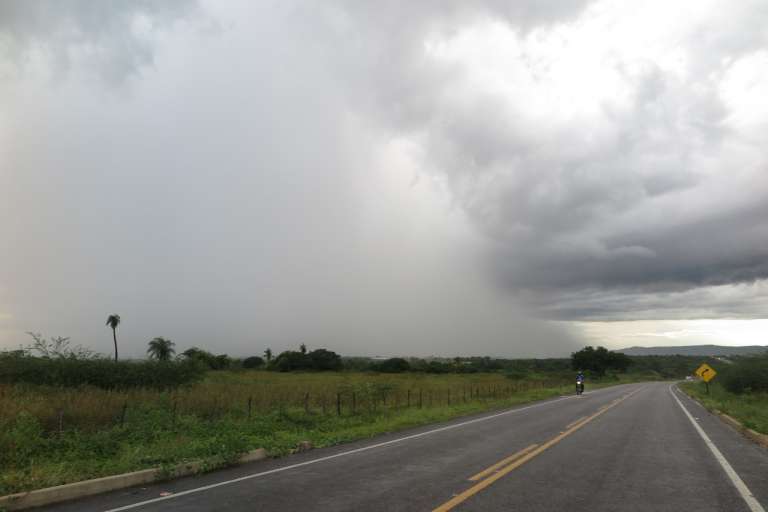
[706, 373]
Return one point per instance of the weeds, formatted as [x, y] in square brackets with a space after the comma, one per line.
[751, 409]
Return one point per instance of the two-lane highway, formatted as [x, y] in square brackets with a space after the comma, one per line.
[631, 447]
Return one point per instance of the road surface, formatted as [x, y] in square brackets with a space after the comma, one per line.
[637, 447]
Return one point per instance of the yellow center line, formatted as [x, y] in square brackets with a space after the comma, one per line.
[575, 422]
[501, 463]
[460, 498]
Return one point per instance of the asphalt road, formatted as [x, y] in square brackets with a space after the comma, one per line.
[625, 448]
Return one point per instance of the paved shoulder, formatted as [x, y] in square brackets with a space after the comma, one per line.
[748, 460]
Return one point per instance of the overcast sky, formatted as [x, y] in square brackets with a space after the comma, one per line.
[380, 178]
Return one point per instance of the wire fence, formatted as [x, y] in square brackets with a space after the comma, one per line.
[92, 409]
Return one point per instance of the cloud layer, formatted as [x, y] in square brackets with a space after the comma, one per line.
[410, 178]
[615, 151]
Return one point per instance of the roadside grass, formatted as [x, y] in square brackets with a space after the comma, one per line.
[751, 409]
[228, 392]
[50, 441]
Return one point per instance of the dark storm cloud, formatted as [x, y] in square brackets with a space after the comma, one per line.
[656, 189]
[729, 248]
[739, 301]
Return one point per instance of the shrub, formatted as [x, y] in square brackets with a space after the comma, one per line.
[205, 358]
[318, 360]
[253, 362]
[102, 373]
[392, 365]
[20, 440]
[291, 360]
[746, 375]
[325, 360]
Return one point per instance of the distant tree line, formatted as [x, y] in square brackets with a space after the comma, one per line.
[17, 367]
[57, 362]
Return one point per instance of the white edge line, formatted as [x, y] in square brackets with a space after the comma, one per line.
[744, 491]
[342, 454]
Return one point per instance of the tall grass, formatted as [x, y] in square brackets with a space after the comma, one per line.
[235, 393]
[751, 409]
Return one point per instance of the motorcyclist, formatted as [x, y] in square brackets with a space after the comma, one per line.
[580, 380]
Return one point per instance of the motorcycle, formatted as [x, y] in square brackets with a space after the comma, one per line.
[579, 387]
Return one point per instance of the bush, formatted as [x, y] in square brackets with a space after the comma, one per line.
[746, 375]
[291, 360]
[325, 360]
[205, 358]
[253, 362]
[393, 365]
[21, 440]
[102, 373]
[318, 360]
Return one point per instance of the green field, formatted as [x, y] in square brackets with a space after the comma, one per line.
[751, 409]
[50, 436]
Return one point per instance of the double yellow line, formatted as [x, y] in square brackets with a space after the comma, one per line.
[509, 464]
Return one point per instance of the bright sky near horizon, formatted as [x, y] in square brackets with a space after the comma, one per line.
[399, 178]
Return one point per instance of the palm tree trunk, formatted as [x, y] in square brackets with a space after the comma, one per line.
[114, 336]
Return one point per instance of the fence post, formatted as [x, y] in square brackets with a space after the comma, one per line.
[354, 402]
[421, 398]
[250, 406]
[449, 396]
[306, 402]
[408, 400]
[173, 415]
[338, 404]
[61, 420]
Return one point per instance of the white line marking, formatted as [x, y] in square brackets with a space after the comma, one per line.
[329, 457]
[746, 494]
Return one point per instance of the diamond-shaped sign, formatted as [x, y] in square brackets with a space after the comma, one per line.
[706, 372]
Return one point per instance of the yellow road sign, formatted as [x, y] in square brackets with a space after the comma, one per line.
[706, 372]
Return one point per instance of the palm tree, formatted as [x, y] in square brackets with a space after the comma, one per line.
[113, 321]
[268, 355]
[161, 349]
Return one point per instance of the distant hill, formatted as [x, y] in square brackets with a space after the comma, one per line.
[695, 350]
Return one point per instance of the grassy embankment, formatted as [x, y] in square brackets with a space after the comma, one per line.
[50, 436]
[751, 409]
